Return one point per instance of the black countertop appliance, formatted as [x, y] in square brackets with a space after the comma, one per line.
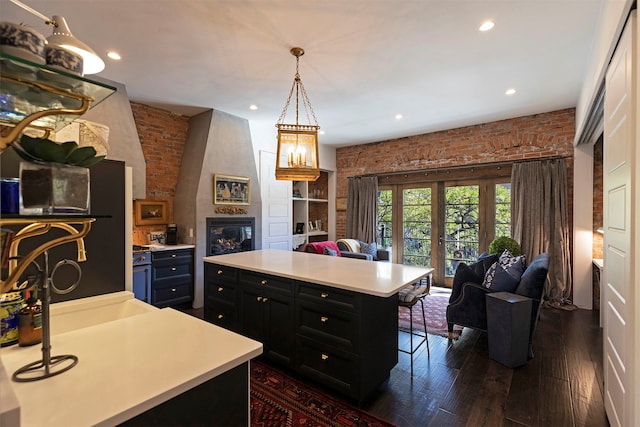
[172, 234]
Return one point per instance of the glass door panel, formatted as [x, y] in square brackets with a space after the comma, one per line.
[461, 225]
[416, 226]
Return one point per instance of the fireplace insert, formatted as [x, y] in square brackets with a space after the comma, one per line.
[229, 235]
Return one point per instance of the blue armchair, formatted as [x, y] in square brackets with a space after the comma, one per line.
[467, 305]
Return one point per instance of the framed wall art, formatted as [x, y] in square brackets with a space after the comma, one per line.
[231, 190]
[150, 212]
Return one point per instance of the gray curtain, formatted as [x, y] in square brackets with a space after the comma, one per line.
[540, 221]
[362, 208]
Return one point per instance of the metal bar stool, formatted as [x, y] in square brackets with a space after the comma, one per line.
[409, 297]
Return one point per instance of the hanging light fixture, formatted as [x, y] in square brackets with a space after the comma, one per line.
[63, 38]
[297, 155]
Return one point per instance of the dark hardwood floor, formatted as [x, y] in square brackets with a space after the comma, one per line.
[461, 386]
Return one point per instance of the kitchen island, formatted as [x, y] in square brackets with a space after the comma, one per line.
[138, 365]
[332, 319]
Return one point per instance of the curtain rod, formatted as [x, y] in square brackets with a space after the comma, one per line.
[478, 165]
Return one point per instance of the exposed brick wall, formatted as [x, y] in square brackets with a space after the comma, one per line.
[162, 136]
[537, 136]
[598, 201]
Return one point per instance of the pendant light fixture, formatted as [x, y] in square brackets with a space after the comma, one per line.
[297, 154]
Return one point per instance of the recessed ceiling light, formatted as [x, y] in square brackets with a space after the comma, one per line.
[253, 107]
[487, 25]
[114, 55]
[510, 91]
[398, 116]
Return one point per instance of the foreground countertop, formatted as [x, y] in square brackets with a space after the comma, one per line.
[382, 279]
[125, 367]
[157, 248]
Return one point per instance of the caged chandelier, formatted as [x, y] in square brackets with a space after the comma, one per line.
[297, 144]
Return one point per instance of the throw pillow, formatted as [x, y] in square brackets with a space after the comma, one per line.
[369, 248]
[464, 273]
[504, 274]
[329, 251]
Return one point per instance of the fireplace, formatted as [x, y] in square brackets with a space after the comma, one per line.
[229, 235]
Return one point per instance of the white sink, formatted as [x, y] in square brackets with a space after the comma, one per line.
[82, 313]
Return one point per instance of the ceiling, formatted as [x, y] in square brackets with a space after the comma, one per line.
[365, 60]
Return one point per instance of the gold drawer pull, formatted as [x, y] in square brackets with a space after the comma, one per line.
[324, 295]
[324, 356]
[173, 255]
[324, 319]
[220, 289]
[259, 299]
[220, 316]
[219, 272]
[263, 282]
[265, 299]
[173, 289]
[173, 269]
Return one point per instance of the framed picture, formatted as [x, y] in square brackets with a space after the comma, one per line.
[231, 190]
[341, 203]
[299, 227]
[150, 212]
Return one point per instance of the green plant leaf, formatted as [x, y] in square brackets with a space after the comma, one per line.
[80, 155]
[24, 155]
[69, 147]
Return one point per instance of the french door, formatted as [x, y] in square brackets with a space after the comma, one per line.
[440, 224]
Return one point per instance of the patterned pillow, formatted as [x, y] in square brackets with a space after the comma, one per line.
[328, 251]
[369, 248]
[505, 274]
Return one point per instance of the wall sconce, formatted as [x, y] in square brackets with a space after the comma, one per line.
[63, 38]
[297, 154]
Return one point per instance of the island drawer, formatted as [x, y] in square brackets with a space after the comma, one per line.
[275, 283]
[221, 274]
[336, 298]
[221, 314]
[328, 365]
[335, 327]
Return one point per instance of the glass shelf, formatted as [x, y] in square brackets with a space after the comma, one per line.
[47, 98]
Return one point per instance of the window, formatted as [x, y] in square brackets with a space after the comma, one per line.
[416, 226]
[385, 224]
[444, 217]
[461, 225]
[503, 210]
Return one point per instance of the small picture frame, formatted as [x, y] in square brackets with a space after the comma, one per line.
[299, 227]
[341, 203]
[311, 226]
[150, 212]
[231, 190]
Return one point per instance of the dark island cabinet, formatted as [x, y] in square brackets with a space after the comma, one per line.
[267, 314]
[221, 298]
[344, 340]
[171, 277]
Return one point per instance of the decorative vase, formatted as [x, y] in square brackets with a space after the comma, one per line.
[53, 188]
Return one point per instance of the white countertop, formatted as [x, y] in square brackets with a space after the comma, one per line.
[126, 366]
[382, 279]
[598, 262]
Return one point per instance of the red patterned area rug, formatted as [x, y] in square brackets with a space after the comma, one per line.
[435, 310]
[278, 400]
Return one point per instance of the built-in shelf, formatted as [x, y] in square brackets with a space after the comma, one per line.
[311, 210]
[43, 97]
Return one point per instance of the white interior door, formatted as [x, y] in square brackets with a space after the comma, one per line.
[276, 205]
[620, 209]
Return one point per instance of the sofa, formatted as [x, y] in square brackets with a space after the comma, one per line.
[340, 248]
[361, 250]
[467, 305]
